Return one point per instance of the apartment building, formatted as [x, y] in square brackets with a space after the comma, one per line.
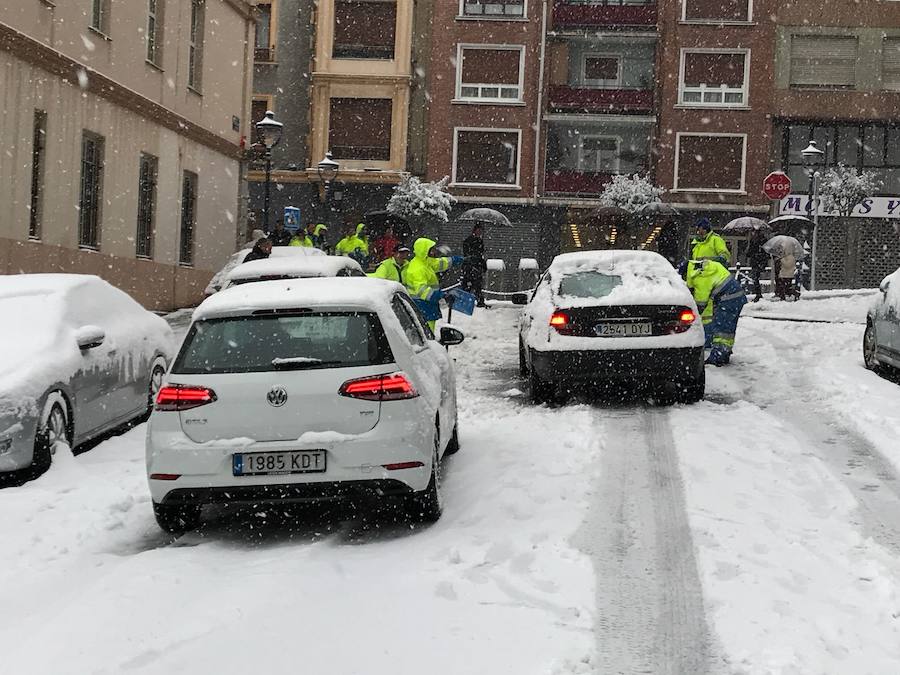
[339, 75]
[124, 124]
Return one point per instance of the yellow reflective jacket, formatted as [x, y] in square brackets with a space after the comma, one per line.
[420, 276]
[388, 269]
[703, 281]
[351, 243]
[711, 247]
[297, 240]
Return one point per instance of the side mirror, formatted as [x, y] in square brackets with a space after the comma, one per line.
[520, 298]
[451, 336]
[89, 337]
[885, 284]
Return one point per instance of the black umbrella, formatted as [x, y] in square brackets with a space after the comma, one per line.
[658, 209]
[746, 225]
[485, 217]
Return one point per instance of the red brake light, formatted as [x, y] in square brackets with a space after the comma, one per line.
[393, 387]
[178, 397]
[559, 319]
[687, 316]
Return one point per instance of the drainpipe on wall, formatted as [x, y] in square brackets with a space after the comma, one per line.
[540, 101]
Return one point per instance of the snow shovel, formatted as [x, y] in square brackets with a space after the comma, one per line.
[461, 301]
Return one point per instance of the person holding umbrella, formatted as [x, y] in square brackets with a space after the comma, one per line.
[474, 264]
[757, 258]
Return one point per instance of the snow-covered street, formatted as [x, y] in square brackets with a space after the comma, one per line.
[755, 532]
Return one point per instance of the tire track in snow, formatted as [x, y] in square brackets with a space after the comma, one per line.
[855, 461]
[650, 614]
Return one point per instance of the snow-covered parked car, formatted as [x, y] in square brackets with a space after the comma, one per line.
[606, 318]
[287, 391]
[219, 278]
[78, 357]
[881, 341]
[293, 267]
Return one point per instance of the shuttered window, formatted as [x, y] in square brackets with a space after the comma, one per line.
[360, 128]
[823, 61]
[602, 70]
[714, 78]
[890, 69]
[490, 74]
[486, 157]
[710, 162]
[364, 29]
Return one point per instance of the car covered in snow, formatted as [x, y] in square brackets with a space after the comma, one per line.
[217, 283]
[285, 391]
[293, 267]
[881, 340]
[78, 357]
[611, 318]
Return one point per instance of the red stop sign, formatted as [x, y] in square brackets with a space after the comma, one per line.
[777, 185]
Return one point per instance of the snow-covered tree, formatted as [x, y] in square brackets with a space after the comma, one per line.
[413, 198]
[842, 188]
[630, 192]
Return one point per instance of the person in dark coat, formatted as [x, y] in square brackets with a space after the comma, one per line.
[261, 250]
[280, 236]
[474, 264]
[667, 244]
[757, 258]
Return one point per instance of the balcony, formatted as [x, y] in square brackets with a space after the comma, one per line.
[604, 13]
[582, 157]
[565, 98]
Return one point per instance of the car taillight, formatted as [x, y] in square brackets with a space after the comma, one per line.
[178, 397]
[393, 387]
[687, 317]
[559, 319]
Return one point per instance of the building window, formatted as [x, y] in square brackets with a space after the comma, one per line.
[823, 61]
[265, 44]
[866, 147]
[717, 11]
[188, 218]
[364, 29]
[598, 154]
[486, 157]
[890, 64]
[38, 161]
[710, 162]
[146, 216]
[602, 70]
[713, 78]
[91, 190]
[490, 73]
[155, 31]
[100, 15]
[195, 54]
[258, 109]
[493, 9]
[360, 128]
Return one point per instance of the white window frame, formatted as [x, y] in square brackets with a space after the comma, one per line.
[100, 10]
[601, 84]
[520, 87]
[604, 137]
[491, 17]
[502, 186]
[678, 137]
[718, 22]
[705, 91]
[154, 35]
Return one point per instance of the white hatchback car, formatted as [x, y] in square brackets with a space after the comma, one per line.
[612, 318]
[236, 259]
[287, 391]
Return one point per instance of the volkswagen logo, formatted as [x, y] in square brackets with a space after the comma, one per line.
[277, 396]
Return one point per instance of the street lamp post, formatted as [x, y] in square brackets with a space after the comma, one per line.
[328, 171]
[269, 130]
[812, 156]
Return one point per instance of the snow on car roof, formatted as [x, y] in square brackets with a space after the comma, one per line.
[351, 292]
[295, 252]
[15, 285]
[296, 266]
[624, 260]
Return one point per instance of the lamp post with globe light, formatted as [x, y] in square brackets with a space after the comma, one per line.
[812, 156]
[269, 131]
[328, 170]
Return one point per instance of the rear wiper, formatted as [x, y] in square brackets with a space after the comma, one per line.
[300, 362]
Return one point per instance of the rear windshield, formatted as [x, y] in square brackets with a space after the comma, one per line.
[589, 284]
[302, 341]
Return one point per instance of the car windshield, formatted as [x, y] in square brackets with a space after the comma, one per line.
[267, 343]
[590, 284]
